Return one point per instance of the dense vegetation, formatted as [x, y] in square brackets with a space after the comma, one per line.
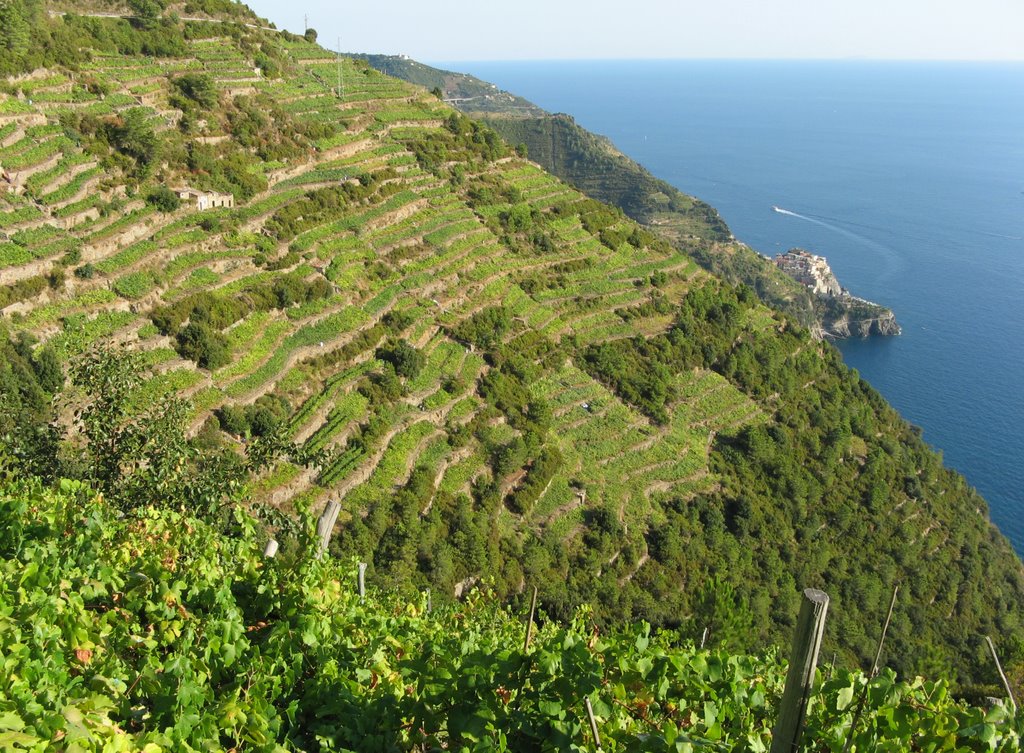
[495, 375]
[599, 170]
[156, 631]
[30, 38]
[838, 455]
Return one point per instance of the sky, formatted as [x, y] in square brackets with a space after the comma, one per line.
[453, 30]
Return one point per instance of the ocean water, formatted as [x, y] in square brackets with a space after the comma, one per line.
[909, 177]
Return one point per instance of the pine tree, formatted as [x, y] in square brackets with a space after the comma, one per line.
[14, 34]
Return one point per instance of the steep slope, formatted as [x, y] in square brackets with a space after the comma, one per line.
[497, 376]
[592, 164]
[466, 92]
[589, 162]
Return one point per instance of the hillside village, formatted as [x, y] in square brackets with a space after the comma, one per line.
[810, 270]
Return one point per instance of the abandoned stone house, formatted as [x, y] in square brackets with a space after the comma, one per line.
[202, 200]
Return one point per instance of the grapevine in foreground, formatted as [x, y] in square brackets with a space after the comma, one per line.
[158, 631]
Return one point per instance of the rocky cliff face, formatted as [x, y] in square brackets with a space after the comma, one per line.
[847, 316]
[839, 314]
[853, 325]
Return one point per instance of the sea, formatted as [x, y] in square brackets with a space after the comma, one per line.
[907, 176]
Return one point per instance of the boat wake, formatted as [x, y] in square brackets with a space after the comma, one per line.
[820, 221]
[888, 254]
[824, 221]
[780, 210]
[1000, 235]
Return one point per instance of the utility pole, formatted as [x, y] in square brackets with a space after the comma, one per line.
[341, 91]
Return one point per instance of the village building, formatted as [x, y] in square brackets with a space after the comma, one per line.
[203, 200]
[810, 270]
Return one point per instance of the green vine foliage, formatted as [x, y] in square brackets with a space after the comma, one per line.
[155, 631]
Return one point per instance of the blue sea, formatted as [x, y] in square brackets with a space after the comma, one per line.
[909, 177]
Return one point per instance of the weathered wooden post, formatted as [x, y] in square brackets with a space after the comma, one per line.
[362, 582]
[593, 723]
[529, 622]
[874, 672]
[810, 628]
[325, 525]
[1002, 675]
[270, 550]
[885, 629]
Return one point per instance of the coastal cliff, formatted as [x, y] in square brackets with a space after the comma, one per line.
[855, 317]
[839, 314]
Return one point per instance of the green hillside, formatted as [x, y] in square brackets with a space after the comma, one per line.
[589, 162]
[592, 164]
[499, 378]
[466, 92]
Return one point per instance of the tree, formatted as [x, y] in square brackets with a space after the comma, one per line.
[26, 385]
[48, 369]
[197, 89]
[146, 11]
[15, 34]
[133, 135]
[310, 35]
[720, 610]
[135, 449]
[163, 199]
[404, 357]
[204, 345]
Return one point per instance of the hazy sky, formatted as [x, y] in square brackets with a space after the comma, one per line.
[548, 29]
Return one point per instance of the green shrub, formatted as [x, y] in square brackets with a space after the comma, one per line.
[406, 360]
[204, 345]
[195, 90]
[163, 199]
[233, 419]
[261, 419]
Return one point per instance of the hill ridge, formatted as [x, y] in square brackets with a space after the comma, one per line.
[593, 164]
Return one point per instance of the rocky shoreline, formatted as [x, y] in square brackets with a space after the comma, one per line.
[841, 315]
[849, 316]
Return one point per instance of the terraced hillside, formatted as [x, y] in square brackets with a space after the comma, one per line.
[594, 165]
[496, 376]
[410, 259]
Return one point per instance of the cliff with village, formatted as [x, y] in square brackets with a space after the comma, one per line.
[841, 313]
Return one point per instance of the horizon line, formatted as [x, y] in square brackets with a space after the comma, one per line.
[851, 59]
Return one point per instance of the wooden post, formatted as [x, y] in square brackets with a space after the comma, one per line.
[803, 660]
[1002, 675]
[885, 629]
[325, 525]
[529, 622]
[874, 671]
[362, 582]
[593, 723]
[270, 550]
[430, 604]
